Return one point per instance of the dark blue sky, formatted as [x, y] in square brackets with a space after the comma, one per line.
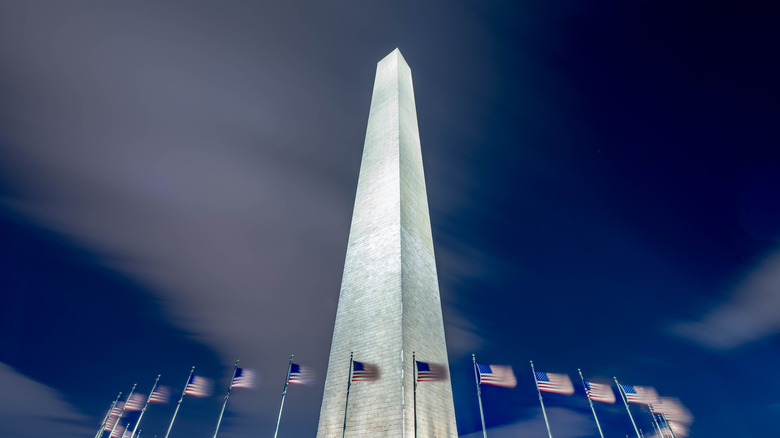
[177, 179]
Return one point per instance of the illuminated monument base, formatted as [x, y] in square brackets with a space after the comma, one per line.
[389, 304]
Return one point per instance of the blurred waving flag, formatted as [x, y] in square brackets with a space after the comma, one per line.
[552, 382]
[161, 394]
[639, 395]
[599, 392]
[136, 402]
[675, 414]
[243, 379]
[117, 409]
[498, 375]
[299, 375]
[110, 423]
[430, 372]
[363, 372]
[198, 386]
[118, 431]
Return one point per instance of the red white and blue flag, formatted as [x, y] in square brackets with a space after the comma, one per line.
[599, 392]
[298, 375]
[117, 409]
[364, 372]
[639, 395]
[552, 382]
[114, 416]
[118, 431]
[198, 386]
[111, 422]
[498, 375]
[243, 379]
[136, 402]
[430, 372]
[161, 394]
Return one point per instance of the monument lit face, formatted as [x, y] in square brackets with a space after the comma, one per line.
[389, 303]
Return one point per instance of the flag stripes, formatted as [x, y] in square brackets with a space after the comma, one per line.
[363, 372]
[599, 392]
[298, 375]
[198, 386]
[243, 379]
[161, 394]
[497, 375]
[552, 382]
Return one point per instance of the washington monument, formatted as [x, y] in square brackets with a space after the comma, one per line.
[389, 306]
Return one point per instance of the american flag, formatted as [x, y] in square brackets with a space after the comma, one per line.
[599, 392]
[111, 422]
[161, 394]
[672, 409]
[498, 375]
[363, 372]
[243, 379]
[430, 372]
[198, 386]
[114, 416]
[118, 431]
[117, 409]
[298, 375]
[552, 382]
[136, 402]
[639, 395]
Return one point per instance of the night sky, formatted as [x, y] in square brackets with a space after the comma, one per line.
[177, 180]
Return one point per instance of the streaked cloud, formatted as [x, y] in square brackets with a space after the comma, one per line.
[750, 314]
[30, 409]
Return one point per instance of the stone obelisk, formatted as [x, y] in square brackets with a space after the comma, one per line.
[389, 305]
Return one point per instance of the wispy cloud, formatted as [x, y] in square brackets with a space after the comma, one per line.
[750, 314]
[30, 409]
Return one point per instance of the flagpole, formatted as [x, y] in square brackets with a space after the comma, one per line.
[224, 404]
[655, 421]
[284, 393]
[668, 426]
[656, 427]
[145, 405]
[479, 395]
[547, 423]
[591, 403]
[122, 412]
[659, 430]
[625, 402]
[414, 374]
[179, 404]
[108, 415]
[346, 404]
